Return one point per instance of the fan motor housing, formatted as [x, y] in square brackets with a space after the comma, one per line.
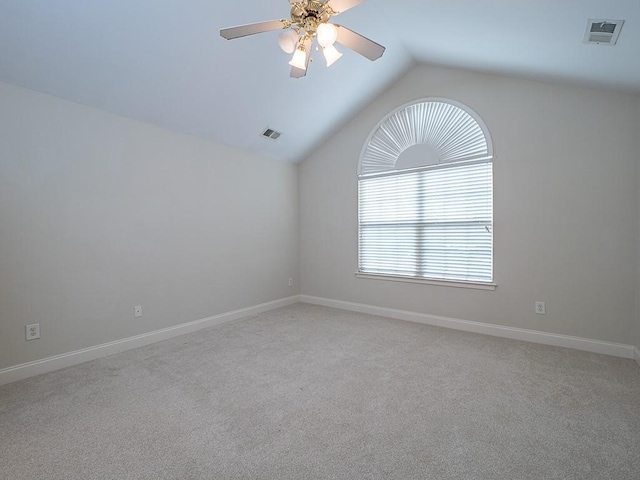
[311, 15]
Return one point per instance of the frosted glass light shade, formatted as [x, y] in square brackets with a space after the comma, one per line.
[299, 59]
[287, 41]
[331, 55]
[327, 34]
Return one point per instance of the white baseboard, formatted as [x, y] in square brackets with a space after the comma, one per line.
[45, 365]
[595, 346]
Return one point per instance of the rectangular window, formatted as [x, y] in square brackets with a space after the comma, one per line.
[433, 223]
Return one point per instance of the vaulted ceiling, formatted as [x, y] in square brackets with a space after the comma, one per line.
[164, 62]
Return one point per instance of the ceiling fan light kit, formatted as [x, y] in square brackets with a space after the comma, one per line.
[327, 34]
[331, 55]
[299, 59]
[288, 41]
[310, 21]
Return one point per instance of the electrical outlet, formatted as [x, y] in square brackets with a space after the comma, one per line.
[540, 308]
[137, 311]
[291, 281]
[32, 332]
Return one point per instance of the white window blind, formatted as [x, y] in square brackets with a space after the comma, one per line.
[429, 223]
[427, 212]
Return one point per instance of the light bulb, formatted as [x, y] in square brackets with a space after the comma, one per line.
[327, 34]
[331, 55]
[287, 41]
[299, 59]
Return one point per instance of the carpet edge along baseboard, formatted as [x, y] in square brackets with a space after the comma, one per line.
[49, 364]
[76, 357]
[533, 336]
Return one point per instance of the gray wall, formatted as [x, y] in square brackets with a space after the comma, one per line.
[566, 208]
[99, 213]
[638, 190]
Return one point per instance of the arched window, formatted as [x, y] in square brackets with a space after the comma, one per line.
[425, 206]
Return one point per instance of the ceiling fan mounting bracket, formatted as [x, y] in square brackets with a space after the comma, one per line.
[310, 14]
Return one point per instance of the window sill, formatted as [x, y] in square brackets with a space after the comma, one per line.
[441, 283]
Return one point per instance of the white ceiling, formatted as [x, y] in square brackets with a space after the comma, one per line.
[163, 61]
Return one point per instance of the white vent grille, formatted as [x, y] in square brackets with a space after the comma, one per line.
[603, 32]
[271, 133]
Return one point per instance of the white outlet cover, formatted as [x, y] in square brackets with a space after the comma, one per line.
[540, 308]
[32, 332]
[137, 311]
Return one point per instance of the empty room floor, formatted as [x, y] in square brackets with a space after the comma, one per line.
[307, 392]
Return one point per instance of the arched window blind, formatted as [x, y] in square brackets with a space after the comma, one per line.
[425, 182]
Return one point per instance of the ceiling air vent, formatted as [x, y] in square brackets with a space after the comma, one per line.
[271, 133]
[603, 32]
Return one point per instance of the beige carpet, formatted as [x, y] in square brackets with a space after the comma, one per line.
[308, 392]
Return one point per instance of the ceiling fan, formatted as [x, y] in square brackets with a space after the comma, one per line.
[309, 21]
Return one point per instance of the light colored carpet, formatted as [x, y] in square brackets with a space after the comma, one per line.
[308, 392]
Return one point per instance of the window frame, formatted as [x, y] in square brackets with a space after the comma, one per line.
[489, 158]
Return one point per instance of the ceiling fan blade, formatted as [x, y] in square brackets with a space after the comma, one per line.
[340, 6]
[299, 72]
[251, 29]
[359, 44]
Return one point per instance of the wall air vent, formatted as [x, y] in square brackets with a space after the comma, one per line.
[603, 32]
[271, 133]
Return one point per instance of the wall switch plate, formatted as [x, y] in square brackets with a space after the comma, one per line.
[32, 332]
[541, 308]
[291, 281]
[137, 311]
